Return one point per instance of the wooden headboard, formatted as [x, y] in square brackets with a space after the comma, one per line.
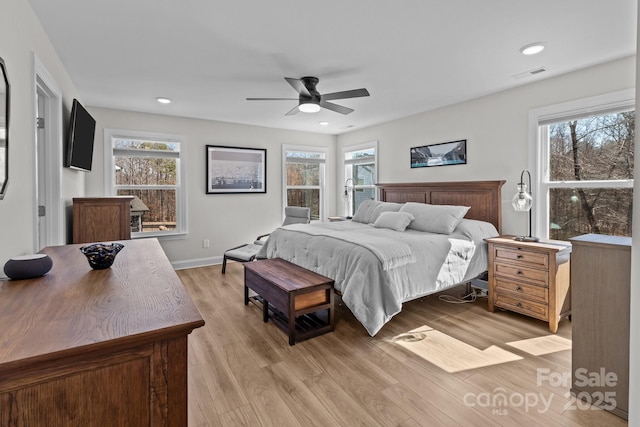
[483, 197]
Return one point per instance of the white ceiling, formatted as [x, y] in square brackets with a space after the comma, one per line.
[412, 55]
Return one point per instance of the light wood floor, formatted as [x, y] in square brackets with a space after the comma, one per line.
[243, 372]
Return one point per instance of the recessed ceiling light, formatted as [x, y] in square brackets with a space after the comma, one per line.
[532, 49]
[163, 100]
[324, 123]
[309, 107]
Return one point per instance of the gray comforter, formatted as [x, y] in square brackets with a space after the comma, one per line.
[376, 270]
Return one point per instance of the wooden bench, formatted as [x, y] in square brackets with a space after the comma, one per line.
[300, 301]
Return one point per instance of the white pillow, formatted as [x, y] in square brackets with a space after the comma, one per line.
[369, 210]
[441, 219]
[397, 221]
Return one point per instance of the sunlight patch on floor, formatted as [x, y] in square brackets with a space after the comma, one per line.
[448, 353]
[542, 345]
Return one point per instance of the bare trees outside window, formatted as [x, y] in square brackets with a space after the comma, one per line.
[149, 167]
[360, 168]
[590, 183]
[304, 174]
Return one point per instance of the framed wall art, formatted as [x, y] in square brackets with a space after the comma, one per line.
[443, 154]
[236, 170]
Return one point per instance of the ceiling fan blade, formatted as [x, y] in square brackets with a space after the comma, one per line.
[355, 93]
[298, 86]
[335, 107]
[272, 99]
[293, 111]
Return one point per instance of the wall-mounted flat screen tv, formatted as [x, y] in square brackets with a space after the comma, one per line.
[82, 129]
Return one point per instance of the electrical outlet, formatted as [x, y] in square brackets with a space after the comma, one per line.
[205, 243]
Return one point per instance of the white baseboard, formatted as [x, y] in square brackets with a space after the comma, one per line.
[198, 262]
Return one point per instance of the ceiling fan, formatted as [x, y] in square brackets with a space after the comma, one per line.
[310, 100]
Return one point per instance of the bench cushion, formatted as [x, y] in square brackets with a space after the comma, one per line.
[244, 253]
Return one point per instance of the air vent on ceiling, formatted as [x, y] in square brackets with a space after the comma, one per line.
[529, 73]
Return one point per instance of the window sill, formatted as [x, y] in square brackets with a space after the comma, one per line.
[160, 236]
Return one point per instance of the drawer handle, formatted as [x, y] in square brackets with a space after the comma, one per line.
[519, 256]
[518, 288]
[519, 304]
[519, 272]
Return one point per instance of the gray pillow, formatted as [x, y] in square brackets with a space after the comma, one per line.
[397, 221]
[474, 230]
[369, 210]
[441, 219]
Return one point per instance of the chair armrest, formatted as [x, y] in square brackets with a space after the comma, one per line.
[262, 235]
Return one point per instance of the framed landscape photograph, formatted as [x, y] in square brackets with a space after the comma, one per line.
[236, 170]
[444, 154]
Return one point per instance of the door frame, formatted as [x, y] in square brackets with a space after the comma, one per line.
[51, 165]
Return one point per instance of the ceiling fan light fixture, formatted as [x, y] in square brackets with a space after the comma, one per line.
[312, 101]
[309, 107]
[532, 49]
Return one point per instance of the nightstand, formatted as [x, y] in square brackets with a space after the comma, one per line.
[530, 278]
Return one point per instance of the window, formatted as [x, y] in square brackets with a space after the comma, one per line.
[149, 167]
[585, 163]
[304, 169]
[360, 176]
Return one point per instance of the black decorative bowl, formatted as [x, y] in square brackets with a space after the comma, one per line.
[101, 255]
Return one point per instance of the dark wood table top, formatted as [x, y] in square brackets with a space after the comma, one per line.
[74, 309]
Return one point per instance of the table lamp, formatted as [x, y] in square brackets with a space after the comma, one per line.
[522, 202]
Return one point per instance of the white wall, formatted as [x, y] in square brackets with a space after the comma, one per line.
[227, 220]
[21, 35]
[496, 130]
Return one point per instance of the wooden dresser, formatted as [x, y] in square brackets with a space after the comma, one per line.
[83, 347]
[601, 291]
[100, 219]
[531, 278]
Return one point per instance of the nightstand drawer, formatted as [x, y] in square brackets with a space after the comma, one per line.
[522, 305]
[534, 259]
[539, 277]
[522, 291]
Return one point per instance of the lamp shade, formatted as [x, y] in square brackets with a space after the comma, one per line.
[346, 195]
[522, 201]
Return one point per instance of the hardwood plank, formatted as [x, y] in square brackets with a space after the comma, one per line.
[201, 411]
[251, 376]
[362, 385]
[339, 403]
[225, 392]
[242, 416]
[266, 403]
[415, 406]
[302, 402]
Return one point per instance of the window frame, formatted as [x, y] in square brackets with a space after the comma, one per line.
[322, 177]
[614, 102]
[344, 163]
[110, 187]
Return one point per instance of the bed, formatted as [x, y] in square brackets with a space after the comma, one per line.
[418, 239]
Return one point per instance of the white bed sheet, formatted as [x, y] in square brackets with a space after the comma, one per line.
[372, 289]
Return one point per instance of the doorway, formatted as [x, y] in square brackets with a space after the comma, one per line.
[48, 216]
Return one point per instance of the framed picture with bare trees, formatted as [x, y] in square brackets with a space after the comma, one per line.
[236, 170]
